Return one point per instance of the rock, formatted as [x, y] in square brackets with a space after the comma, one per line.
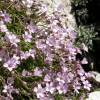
[95, 75]
[94, 95]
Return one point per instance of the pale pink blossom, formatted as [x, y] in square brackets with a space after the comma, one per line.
[87, 85]
[40, 92]
[27, 37]
[47, 78]
[31, 28]
[3, 27]
[24, 55]
[84, 61]
[62, 88]
[32, 53]
[12, 38]
[12, 63]
[50, 88]
[37, 72]
[6, 17]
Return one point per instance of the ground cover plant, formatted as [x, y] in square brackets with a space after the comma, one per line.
[38, 54]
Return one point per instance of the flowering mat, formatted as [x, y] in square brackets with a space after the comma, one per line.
[38, 54]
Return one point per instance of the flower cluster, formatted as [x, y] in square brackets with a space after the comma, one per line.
[50, 47]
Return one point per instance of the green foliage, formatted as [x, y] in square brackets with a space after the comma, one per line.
[58, 97]
[85, 35]
[4, 72]
[26, 64]
[25, 46]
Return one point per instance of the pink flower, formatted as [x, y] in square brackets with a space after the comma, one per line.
[72, 34]
[37, 72]
[49, 58]
[31, 28]
[76, 85]
[12, 38]
[59, 8]
[40, 92]
[12, 63]
[43, 8]
[61, 77]
[27, 54]
[80, 72]
[40, 44]
[50, 88]
[51, 41]
[24, 55]
[32, 53]
[26, 73]
[83, 78]
[6, 17]
[3, 27]
[55, 28]
[77, 88]
[47, 78]
[84, 61]
[62, 88]
[9, 89]
[27, 37]
[87, 85]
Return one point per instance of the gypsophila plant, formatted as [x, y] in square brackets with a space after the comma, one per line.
[37, 54]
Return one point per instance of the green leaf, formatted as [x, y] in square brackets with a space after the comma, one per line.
[58, 97]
